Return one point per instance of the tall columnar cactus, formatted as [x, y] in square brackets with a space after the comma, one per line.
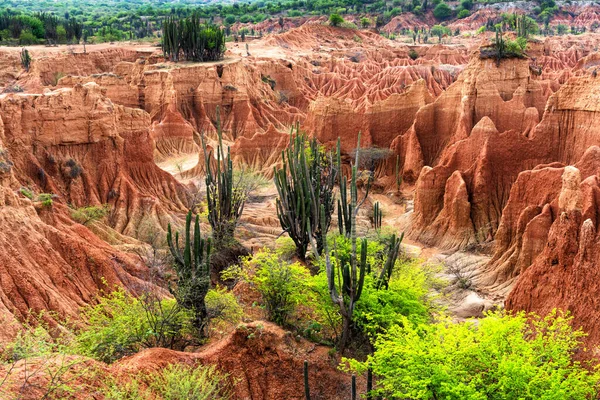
[306, 384]
[345, 209]
[25, 59]
[499, 45]
[398, 174]
[192, 266]
[393, 251]
[346, 293]
[377, 215]
[304, 183]
[225, 200]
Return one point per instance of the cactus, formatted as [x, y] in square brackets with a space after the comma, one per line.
[225, 201]
[369, 382]
[196, 40]
[193, 270]
[398, 175]
[345, 209]
[353, 272]
[499, 45]
[377, 216]
[25, 59]
[306, 385]
[392, 255]
[305, 182]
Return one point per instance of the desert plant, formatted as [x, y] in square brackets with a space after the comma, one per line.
[346, 293]
[280, 284]
[177, 382]
[192, 266]
[25, 59]
[45, 199]
[336, 20]
[377, 215]
[502, 356]
[121, 324]
[305, 186]
[174, 382]
[225, 198]
[393, 251]
[348, 210]
[85, 215]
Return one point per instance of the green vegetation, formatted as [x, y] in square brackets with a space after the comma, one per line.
[280, 284]
[192, 265]
[121, 324]
[193, 39]
[305, 186]
[503, 357]
[225, 197]
[504, 48]
[442, 11]
[335, 20]
[25, 59]
[85, 215]
[175, 382]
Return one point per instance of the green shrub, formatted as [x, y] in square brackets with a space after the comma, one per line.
[413, 54]
[45, 199]
[223, 309]
[85, 215]
[178, 382]
[442, 11]
[121, 324]
[502, 357]
[175, 382]
[463, 14]
[407, 297]
[27, 38]
[280, 283]
[335, 20]
[26, 192]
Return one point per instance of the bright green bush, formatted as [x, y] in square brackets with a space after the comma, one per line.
[335, 20]
[407, 297]
[121, 324]
[501, 357]
[280, 284]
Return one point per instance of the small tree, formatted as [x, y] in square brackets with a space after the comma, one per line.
[442, 11]
[335, 20]
[365, 22]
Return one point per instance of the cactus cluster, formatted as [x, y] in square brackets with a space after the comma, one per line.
[346, 293]
[225, 200]
[192, 266]
[305, 186]
[193, 39]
